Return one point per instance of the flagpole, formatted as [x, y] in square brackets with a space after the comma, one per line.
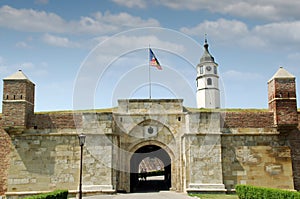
[149, 73]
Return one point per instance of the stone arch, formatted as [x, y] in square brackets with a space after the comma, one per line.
[153, 149]
[134, 148]
[135, 139]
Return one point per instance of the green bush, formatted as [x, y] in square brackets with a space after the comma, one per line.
[253, 192]
[58, 194]
[153, 173]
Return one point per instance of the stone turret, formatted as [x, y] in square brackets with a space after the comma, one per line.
[282, 99]
[18, 102]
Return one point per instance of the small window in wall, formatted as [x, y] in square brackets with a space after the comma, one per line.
[21, 97]
[209, 81]
[7, 97]
[14, 97]
[215, 70]
[201, 69]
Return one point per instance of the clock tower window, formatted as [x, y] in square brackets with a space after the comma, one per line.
[201, 69]
[209, 81]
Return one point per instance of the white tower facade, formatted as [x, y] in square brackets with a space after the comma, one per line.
[208, 92]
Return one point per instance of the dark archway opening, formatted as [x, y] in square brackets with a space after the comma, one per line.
[157, 163]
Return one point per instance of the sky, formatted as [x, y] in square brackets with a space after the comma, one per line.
[86, 54]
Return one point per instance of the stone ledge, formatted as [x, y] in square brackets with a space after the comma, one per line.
[150, 106]
[206, 188]
[101, 188]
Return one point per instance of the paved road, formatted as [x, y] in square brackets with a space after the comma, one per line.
[153, 188]
[153, 195]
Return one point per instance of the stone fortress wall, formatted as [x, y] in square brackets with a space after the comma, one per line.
[47, 157]
[209, 149]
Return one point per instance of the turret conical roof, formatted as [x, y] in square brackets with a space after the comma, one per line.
[206, 57]
[19, 75]
[282, 73]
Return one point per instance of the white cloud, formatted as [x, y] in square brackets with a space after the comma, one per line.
[131, 3]
[226, 32]
[28, 67]
[189, 4]
[253, 9]
[222, 29]
[283, 32]
[138, 42]
[270, 35]
[32, 69]
[22, 44]
[29, 20]
[124, 19]
[58, 41]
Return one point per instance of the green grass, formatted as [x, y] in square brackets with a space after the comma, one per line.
[248, 110]
[215, 196]
[190, 109]
[106, 110]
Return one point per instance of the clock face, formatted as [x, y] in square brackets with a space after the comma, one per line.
[208, 68]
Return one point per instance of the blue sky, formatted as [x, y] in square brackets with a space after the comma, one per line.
[87, 54]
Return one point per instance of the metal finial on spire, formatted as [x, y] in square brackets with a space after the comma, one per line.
[205, 42]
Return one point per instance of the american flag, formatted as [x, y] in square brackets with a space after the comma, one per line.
[153, 60]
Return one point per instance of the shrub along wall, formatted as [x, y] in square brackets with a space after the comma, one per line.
[253, 192]
[58, 194]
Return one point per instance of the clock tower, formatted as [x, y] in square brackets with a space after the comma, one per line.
[208, 92]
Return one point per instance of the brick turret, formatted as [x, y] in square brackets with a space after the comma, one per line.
[282, 99]
[18, 101]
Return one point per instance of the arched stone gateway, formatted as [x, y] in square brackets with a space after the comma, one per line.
[149, 138]
[138, 183]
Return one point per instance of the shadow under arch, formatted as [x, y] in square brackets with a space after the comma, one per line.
[150, 149]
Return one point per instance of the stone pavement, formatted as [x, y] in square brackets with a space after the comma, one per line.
[152, 195]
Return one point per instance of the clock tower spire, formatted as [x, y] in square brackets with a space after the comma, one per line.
[208, 92]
